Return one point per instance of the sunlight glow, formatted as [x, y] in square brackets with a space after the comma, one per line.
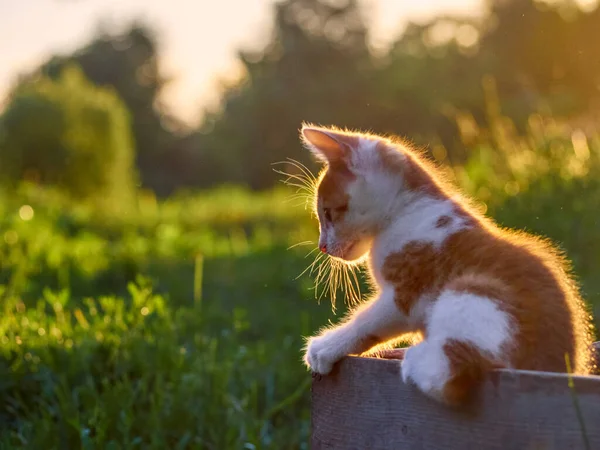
[198, 39]
[26, 212]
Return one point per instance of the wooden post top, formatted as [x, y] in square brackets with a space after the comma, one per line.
[363, 404]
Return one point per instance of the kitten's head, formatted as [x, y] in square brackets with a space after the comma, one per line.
[361, 189]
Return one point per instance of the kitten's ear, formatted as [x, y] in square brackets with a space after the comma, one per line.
[328, 146]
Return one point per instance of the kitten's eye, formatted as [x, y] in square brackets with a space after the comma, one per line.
[327, 214]
[341, 209]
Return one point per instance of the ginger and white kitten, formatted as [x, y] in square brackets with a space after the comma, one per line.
[480, 296]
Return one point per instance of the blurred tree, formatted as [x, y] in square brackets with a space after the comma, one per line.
[430, 73]
[546, 52]
[541, 55]
[316, 68]
[69, 133]
[129, 63]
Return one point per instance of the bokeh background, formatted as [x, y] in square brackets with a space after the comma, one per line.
[151, 259]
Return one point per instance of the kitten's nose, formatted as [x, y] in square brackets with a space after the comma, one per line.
[323, 248]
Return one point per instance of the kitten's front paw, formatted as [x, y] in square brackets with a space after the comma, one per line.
[322, 352]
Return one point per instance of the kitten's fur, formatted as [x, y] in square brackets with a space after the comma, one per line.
[480, 296]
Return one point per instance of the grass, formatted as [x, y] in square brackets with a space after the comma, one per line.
[179, 323]
[156, 331]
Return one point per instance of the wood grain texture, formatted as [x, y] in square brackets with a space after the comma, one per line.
[363, 404]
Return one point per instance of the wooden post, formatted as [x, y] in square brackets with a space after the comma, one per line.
[364, 405]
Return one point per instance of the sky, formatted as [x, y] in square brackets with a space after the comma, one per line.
[198, 38]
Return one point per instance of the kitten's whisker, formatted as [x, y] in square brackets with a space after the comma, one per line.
[344, 284]
[352, 285]
[311, 252]
[301, 181]
[311, 266]
[304, 182]
[299, 176]
[295, 184]
[324, 270]
[298, 195]
[301, 243]
[334, 281]
[306, 179]
[305, 170]
[321, 265]
[303, 199]
[302, 192]
[356, 284]
[330, 272]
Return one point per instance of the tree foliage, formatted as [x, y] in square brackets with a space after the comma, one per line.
[129, 64]
[69, 133]
[318, 67]
[315, 69]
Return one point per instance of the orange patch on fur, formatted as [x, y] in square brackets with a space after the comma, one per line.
[412, 272]
[412, 169]
[332, 190]
[468, 367]
[443, 221]
[417, 178]
[525, 279]
[482, 286]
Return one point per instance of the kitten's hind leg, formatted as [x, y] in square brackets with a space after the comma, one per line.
[467, 335]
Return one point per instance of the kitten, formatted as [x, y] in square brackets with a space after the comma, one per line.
[481, 297]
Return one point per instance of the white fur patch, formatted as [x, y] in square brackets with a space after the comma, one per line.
[456, 315]
[328, 236]
[379, 317]
[469, 318]
[376, 197]
[427, 366]
[417, 223]
[382, 317]
[366, 156]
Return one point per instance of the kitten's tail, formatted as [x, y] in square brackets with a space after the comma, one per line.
[469, 366]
